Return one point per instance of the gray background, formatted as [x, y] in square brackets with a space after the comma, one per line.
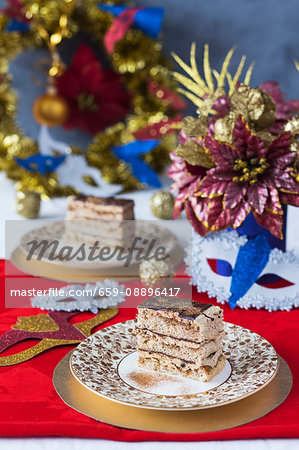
[265, 30]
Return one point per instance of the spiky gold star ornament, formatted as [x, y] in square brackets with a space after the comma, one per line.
[133, 99]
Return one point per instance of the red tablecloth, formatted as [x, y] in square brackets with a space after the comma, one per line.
[31, 407]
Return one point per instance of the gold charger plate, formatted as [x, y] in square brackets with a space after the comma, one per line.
[51, 271]
[78, 397]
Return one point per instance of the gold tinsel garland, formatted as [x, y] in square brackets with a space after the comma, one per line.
[136, 57]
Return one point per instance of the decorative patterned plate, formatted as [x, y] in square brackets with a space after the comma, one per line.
[104, 364]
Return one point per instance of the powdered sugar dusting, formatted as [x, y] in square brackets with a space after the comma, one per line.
[164, 384]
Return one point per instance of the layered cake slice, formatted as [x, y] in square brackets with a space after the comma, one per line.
[109, 208]
[106, 220]
[180, 337]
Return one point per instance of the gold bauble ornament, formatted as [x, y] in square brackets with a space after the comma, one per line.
[162, 204]
[152, 271]
[51, 110]
[27, 203]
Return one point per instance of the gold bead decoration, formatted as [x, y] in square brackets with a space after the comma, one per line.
[162, 204]
[152, 271]
[28, 203]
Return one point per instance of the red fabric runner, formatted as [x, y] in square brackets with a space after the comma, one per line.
[31, 407]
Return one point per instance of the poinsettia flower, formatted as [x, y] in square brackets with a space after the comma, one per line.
[284, 108]
[248, 177]
[95, 95]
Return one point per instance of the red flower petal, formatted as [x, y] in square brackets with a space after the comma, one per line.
[68, 85]
[239, 214]
[273, 222]
[222, 105]
[272, 88]
[91, 80]
[82, 57]
[234, 194]
[211, 186]
[289, 199]
[257, 196]
[200, 208]
[179, 203]
[284, 161]
[248, 144]
[284, 181]
[218, 218]
[274, 200]
[284, 109]
[279, 147]
[198, 226]
[178, 173]
[223, 155]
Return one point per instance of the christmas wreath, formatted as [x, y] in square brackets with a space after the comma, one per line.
[116, 86]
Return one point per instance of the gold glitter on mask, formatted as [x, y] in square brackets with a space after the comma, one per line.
[52, 330]
[41, 322]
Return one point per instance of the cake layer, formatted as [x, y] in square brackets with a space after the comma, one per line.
[185, 308]
[88, 207]
[161, 363]
[83, 233]
[170, 323]
[76, 239]
[206, 354]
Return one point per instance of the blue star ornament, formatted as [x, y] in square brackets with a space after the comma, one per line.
[40, 163]
[131, 152]
[17, 25]
[149, 20]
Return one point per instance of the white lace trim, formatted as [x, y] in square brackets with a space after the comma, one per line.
[85, 301]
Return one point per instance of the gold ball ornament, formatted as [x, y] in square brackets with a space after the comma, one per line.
[51, 110]
[162, 204]
[27, 203]
[152, 271]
